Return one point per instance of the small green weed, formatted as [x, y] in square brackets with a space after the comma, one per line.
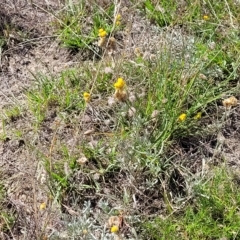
[160, 13]
[12, 113]
[9, 115]
[78, 24]
[7, 217]
[62, 93]
[213, 214]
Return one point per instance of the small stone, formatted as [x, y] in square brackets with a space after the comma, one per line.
[82, 160]
[108, 70]
[111, 101]
[220, 138]
[96, 176]
[107, 122]
[202, 76]
[212, 45]
[93, 144]
[132, 97]
[86, 119]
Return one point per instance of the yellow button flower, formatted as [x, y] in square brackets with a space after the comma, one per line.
[42, 206]
[182, 117]
[102, 33]
[118, 17]
[205, 17]
[119, 84]
[86, 96]
[114, 229]
[198, 116]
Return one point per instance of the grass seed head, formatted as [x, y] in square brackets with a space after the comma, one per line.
[121, 95]
[112, 44]
[102, 42]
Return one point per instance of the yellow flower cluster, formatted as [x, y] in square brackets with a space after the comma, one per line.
[119, 84]
[183, 117]
[118, 19]
[102, 33]
[102, 37]
[120, 93]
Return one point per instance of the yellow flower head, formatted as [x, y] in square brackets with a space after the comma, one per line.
[119, 84]
[205, 17]
[182, 117]
[86, 96]
[198, 116]
[102, 33]
[118, 17]
[114, 229]
[43, 206]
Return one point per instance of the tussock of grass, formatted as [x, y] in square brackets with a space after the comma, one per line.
[78, 24]
[7, 217]
[212, 213]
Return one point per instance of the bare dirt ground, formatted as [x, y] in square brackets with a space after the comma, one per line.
[31, 48]
[30, 44]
